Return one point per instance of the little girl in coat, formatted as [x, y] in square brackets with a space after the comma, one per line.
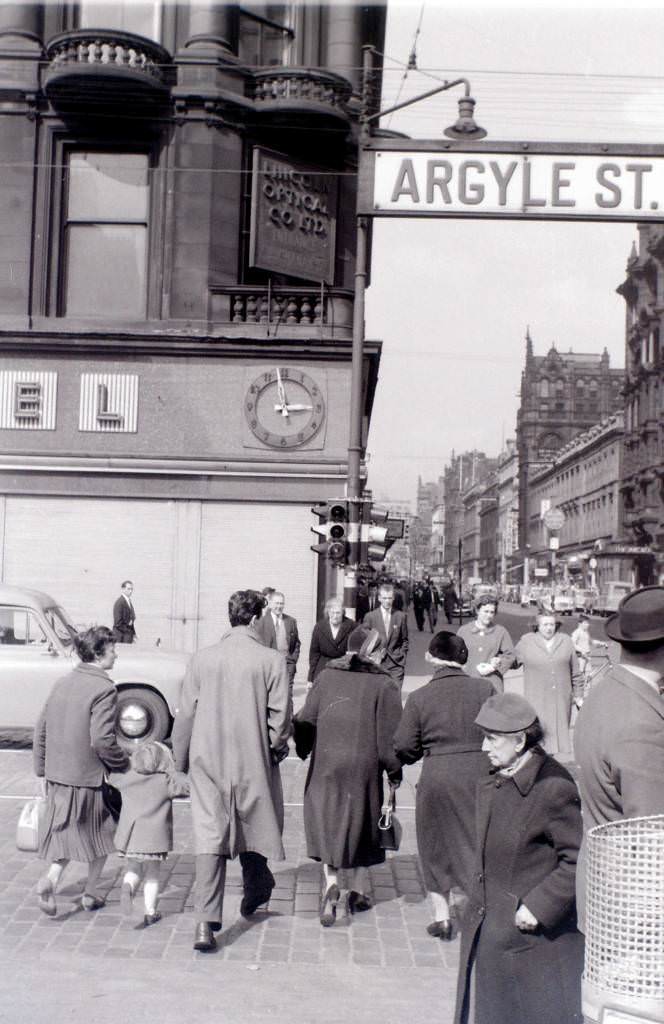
[144, 834]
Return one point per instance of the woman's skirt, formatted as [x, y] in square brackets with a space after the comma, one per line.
[76, 824]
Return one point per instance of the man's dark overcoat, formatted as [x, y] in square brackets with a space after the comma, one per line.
[324, 647]
[528, 835]
[347, 724]
[438, 724]
[124, 617]
[619, 748]
[265, 629]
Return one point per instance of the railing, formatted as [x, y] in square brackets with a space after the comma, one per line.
[246, 304]
[304, 86]
[108, 48]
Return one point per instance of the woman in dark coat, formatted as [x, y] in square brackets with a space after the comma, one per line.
[438, 724]
[74, 747]
[520, 944]
[329, 638]
[347, 724]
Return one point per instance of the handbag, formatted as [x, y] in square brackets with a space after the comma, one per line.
[112, 798]
[29, 821]
[389, 826]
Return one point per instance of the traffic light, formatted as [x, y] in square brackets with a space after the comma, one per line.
[378, 533]
[333, 526]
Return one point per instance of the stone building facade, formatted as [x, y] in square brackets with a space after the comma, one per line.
[177, 193]
[642, 486]
[562, 394]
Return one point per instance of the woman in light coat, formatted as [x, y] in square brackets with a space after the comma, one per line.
[552, 679]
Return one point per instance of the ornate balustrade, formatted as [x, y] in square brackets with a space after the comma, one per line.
[126, 65]
[246, 304]
[304, 90]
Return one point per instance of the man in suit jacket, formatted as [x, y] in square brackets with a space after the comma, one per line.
[619, 734]
[280, 632]
[393, 629]
[124, 615]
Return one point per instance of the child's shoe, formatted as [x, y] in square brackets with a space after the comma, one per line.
[151, 919]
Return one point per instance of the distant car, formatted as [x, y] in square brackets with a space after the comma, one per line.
[37, 648]
[563, 602]
[466, 610]
[584, 599]
[611, 594]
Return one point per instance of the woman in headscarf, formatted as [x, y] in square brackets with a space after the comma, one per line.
[438, 724]
[347, 724]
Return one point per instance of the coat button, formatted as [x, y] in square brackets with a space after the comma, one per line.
[480, 911]
[480, 877]
[498, 783]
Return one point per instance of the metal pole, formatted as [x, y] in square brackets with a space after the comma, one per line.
[460, 593]
[354, 485]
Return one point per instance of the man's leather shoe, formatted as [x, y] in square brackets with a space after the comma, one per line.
[356, 902]
[441, 930]
[204, 940]
[252, 901]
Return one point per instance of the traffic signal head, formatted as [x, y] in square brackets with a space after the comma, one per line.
[333, 527]
[378, 533]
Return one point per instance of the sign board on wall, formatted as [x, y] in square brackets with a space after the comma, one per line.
[293, 217]
[498, 183]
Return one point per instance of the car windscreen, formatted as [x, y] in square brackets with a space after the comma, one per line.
[59, 623]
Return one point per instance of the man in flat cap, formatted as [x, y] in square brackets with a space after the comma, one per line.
[619, 734]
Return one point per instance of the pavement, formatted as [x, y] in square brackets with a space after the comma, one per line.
[280, 966]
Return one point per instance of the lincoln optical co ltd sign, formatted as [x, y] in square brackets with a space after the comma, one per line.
[507, 184]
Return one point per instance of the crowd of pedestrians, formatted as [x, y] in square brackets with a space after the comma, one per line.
[498, 818]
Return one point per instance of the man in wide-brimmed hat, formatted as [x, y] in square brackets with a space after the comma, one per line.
[619, 734]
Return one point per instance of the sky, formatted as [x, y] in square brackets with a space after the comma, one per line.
[452, 300]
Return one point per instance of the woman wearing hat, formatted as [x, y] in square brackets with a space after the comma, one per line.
[438, 724]
[347, 724]
[521, 954]
[552, 679]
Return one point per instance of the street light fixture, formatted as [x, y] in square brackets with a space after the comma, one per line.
[463, 129]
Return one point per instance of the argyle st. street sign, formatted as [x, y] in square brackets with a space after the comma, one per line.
[535, 181]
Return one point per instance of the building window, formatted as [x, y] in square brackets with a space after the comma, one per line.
[105, 235]
[266, 35]
[141, 17]
[544, 388]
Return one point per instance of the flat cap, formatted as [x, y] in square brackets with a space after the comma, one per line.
[506, 712]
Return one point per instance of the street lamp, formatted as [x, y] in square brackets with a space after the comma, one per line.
[464, 129]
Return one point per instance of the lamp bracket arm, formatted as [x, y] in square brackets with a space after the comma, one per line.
[422, 96]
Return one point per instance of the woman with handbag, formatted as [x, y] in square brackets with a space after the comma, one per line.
[438, 724]
[347, 724]
[74, 747]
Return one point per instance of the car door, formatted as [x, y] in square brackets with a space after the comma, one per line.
[31, 660]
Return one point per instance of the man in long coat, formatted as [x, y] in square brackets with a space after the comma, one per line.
[231, 731]
[619, 734]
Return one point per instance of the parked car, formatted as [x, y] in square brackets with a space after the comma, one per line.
[37, 648]
[466, 609]
[585, 599]
[563, 602]
[611, 594]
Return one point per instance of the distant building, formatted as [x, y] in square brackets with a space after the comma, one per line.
[642, 485]
[463, 471]
[507, 477]
[562, 394]
[583, 481]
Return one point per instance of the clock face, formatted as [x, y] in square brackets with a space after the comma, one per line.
[284, 407]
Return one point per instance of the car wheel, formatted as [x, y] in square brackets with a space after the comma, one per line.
[142, 715]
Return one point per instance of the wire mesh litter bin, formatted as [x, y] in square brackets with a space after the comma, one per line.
[623, 979]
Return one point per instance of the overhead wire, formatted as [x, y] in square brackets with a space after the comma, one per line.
[412, 60]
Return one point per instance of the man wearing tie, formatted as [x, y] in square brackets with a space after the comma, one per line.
[393, 629]
[280, 632]
[124, 615]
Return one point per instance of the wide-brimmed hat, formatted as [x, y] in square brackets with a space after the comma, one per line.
[640, 617]
[506, 712]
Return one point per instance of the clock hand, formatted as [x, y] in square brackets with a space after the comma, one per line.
[281, 391]
[298, 407]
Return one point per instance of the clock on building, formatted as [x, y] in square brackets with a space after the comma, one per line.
[284, 407]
